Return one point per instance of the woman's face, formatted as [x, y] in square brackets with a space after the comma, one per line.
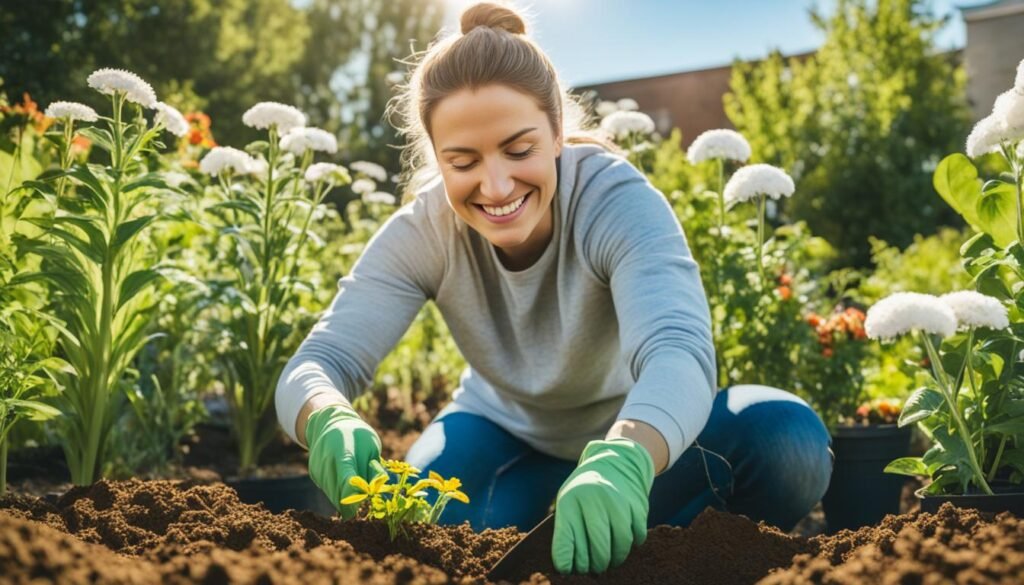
[497, 151]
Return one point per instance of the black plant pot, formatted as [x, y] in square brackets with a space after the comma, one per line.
[861, 493]
[1006, 497]
[297, 492]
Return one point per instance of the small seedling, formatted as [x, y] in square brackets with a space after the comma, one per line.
[401, 503]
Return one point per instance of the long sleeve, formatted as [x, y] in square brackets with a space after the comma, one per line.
[635, 243]
[399, 270]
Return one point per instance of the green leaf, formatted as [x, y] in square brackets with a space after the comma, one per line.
[95, 189]
[127, 230]
[956, 180]
[134, 283]
[34, 410]
[997, 212]
[976, 246]
[913, 466]
[1013, 426]
[920, 405]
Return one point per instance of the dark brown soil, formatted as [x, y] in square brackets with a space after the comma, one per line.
[189, 532]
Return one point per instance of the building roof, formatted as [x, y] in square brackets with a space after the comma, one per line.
[992, 9]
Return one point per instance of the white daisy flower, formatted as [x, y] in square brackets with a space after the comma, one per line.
[606, 108]
[370, 169]
[973, 309]
[266, 114]
[71, 111]
[755, 180]
[172, 119]
[135, 89]
[326, 171]
[379, 197]
[621, 124]
[627, 105]
[225, 158]
[722, 143]
[903, 312]
[363, 186]
[298, 140]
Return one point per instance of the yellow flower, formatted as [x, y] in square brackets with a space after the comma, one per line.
[449, 486]
[399, 467]
[368, 489]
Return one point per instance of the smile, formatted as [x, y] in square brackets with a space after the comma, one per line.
[506, 212]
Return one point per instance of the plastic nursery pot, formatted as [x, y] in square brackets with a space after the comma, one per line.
[297, 492]
[1006, 497]
[861, 493]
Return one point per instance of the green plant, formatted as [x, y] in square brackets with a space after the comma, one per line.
[973, 407]
[22, 345]
[401, 503]
[831, 371]
[267, 210]
[97, 265]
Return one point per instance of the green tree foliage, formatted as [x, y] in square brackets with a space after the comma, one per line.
[860, 124]
[328, 57]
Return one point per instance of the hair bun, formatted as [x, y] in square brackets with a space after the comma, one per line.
[493, 16]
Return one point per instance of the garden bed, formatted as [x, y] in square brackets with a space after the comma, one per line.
[190, 532]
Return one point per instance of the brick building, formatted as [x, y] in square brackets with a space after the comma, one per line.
[692, 100]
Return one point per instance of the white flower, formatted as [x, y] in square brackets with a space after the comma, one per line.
[973, 309]
[379, 197]
[904, 312]
[372, 170]
[606, 108]
[225, 158]
[172, 119]
[298, 140]
[755, 180]
[109, 81]
[363, 186]
[722, 143]
[71, 111]
[1009, 110]
[257, 167]
[627, 105]
[984, 138]
[622, 124]
[266, 114]
[326, 171]
[175, 179]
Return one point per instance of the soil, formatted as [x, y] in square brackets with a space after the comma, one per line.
[193, 532]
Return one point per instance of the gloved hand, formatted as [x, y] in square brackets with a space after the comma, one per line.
[341, 446]
[601, 510]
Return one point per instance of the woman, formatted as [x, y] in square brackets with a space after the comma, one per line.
[566, 282]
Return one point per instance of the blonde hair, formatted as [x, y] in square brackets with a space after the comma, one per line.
[491, 49]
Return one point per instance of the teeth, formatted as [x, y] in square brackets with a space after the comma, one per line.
[500, 211]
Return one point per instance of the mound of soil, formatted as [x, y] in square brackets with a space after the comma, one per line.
[191, 532]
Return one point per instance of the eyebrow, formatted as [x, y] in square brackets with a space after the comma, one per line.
[503, 143]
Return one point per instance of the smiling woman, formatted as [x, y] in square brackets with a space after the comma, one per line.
[567, 283]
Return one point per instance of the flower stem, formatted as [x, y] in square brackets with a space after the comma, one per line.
[965, 436]
[760, 237]
[999, 455]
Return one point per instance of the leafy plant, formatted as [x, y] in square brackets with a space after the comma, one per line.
[831, 370]
[266, 211]
[97, 266]
[401, 503]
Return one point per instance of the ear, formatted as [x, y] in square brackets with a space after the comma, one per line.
[559, 142]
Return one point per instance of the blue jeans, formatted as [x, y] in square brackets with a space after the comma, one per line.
[763, 453]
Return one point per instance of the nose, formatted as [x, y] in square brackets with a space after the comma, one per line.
[497, 183]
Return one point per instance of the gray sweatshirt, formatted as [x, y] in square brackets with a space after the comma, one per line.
[610, 323]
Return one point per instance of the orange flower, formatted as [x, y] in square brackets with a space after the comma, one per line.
[827, 352]
[813, 319]
[864, 410]
[785, 292]
[785, 279]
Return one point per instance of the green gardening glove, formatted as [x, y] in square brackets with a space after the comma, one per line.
[341, 446]
[601, 510]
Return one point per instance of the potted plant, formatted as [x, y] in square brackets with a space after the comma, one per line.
[865, 436]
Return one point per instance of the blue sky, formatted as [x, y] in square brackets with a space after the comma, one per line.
[604, 40]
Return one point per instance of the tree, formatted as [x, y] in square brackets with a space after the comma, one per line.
[860, 124]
